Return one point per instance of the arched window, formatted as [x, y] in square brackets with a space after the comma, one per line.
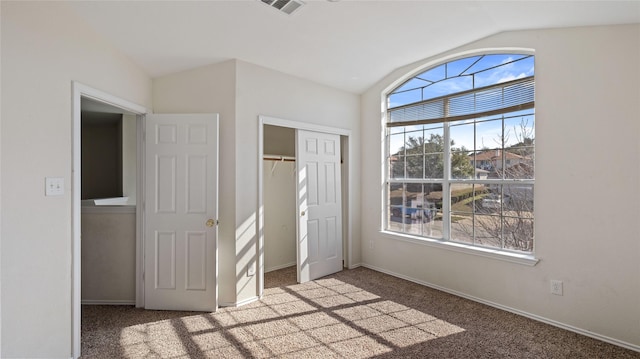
[460, 145]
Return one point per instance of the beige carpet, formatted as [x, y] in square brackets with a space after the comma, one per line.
[353, 314]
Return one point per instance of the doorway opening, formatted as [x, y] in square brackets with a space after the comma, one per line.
[277, 174]
[108, 204]
[105, 113]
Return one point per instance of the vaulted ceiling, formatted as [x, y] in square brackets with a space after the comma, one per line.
[344, 44]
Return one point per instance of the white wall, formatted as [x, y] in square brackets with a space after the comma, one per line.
[241, 92]
[210, 89]
[586, 198]
[279, 215]
[44, 47]
[108, 255]
[261, 91]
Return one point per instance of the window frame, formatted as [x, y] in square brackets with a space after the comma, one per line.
[446, 242]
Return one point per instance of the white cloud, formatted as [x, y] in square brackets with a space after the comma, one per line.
[511, 77]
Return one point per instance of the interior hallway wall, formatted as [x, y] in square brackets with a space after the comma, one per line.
[44, 47]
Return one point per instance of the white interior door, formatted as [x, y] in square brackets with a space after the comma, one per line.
[319, 205]
[181, 206]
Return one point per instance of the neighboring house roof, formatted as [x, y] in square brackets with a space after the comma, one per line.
[493, 154]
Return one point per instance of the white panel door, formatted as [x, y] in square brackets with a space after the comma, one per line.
[181, 194]
[319, 205]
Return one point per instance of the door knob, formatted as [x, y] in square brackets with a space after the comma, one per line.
[210, 222]
[302, 213]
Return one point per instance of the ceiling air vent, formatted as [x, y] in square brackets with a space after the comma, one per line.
[285, 6]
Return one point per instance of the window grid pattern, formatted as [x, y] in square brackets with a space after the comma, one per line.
[469, 181]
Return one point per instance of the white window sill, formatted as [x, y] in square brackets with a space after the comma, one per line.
[512, 257]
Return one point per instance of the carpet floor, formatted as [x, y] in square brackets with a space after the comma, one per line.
[356, 313]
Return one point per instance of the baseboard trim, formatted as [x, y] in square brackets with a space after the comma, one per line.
[107, 302]
[240, 303]
[282, 266]
[535, 317]
[354, 266]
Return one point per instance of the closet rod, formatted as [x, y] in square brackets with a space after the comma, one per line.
[279, 158]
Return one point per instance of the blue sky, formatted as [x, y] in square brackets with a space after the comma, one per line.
[461, 75]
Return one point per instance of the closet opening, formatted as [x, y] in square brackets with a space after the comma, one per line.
[279, 186]
[280, 210]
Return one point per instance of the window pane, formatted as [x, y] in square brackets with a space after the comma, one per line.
[489, 199]
[519, 163]
[404, 98]
[462, 228]
[414, 148]
[434, 74]
[413, 208]
[395, 207]
[518, 200]
[489, 135]
[433, 195]
[518, 233]
[462, 204]
[462, 165]
[434, 140]
[414, 143]
[488, 230]
[396, 155]
[462, 135]
[396, 167]
[519, 147]
[448, 87]
[421, 217]
[504, 73]
[457, 67]
[519, 130]
[415, 166]
[495, 161]
[462, 198]
[430, 214]
[396, 144]
[434, 165]
[414, 83]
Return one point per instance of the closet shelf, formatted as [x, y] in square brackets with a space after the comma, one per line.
[279, 158]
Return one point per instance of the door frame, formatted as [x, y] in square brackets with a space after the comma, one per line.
[80, 91]
[347, 190]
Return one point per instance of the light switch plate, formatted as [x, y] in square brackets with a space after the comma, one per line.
[54, 186]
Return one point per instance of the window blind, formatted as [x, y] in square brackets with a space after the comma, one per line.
[486, 101]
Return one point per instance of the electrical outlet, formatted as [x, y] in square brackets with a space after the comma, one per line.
[556, 287]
